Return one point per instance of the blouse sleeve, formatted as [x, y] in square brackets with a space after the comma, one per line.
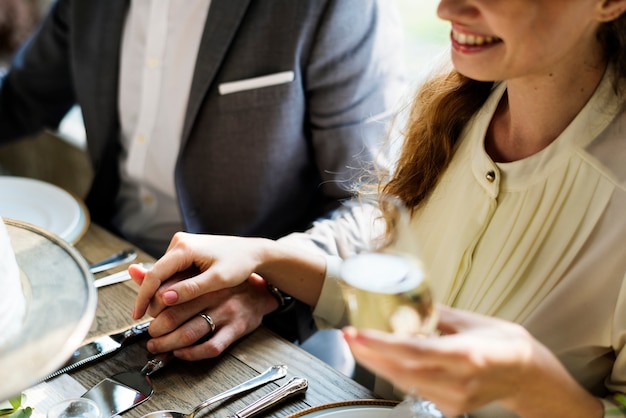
[336, 237]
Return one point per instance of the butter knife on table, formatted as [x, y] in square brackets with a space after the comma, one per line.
[118, 277]
[101, 347]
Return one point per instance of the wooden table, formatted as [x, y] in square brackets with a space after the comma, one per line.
[182, 385]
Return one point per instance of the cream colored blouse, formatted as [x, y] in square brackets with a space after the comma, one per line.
[540, 241]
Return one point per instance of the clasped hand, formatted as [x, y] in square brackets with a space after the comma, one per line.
[201, 274]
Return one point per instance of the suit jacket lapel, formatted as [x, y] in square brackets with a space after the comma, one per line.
[220, 28]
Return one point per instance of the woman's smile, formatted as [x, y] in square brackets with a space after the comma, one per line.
[471, 42]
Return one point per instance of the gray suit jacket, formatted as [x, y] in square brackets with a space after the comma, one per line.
[260, 162]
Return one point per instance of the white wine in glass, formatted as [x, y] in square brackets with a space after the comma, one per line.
[386, 288]
[388, 292]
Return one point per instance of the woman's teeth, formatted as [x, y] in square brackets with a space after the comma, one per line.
[467, 39]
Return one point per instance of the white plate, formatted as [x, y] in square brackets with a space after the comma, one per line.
[60, 306]
[363, 408]
[44, 205]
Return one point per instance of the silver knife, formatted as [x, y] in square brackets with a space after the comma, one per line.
[117, 277]
[101, 347]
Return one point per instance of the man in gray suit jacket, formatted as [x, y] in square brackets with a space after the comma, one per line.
[264, 161]
[286, 102]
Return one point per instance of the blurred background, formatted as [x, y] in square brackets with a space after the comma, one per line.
[425, 34]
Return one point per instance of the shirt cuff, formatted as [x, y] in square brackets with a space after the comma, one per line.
[330, 308]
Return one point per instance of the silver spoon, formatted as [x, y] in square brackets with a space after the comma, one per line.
[125, 256]
[271, 374]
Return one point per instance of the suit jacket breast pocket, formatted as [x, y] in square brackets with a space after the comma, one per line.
[256, 92]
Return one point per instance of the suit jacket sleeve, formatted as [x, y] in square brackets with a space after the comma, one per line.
[38, 90]
[354, 80]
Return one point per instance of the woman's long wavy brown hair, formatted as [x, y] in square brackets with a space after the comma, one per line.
[442, 108]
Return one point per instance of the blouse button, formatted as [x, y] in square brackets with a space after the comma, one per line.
[491, 176]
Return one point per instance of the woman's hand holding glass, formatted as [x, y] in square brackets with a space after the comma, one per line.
[477, 360]
[474, 361]
[387, 288]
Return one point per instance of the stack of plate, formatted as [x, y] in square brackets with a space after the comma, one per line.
[44, 205]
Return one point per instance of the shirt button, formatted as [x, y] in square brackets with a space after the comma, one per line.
[148, 198]
[140, 138]
[491, 176]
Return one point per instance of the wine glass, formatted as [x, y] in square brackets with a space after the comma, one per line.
[386, 288]
[75, 408]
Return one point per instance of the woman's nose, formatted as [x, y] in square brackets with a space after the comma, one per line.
[453, 9]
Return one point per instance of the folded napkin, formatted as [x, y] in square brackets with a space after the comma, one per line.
[46, 394]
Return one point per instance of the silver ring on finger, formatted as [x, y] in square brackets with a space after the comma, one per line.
[209, 321]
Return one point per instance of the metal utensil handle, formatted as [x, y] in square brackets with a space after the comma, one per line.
[295, 386]
[157, 363]
[131, 333]
[124, 256]
[271, 374]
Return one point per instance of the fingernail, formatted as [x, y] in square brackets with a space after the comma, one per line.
[150, 346]
[349, 332]
[170, 297]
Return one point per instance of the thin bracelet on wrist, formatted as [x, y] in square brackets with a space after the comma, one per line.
[285, 302]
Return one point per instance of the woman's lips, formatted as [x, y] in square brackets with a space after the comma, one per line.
[472, 42]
